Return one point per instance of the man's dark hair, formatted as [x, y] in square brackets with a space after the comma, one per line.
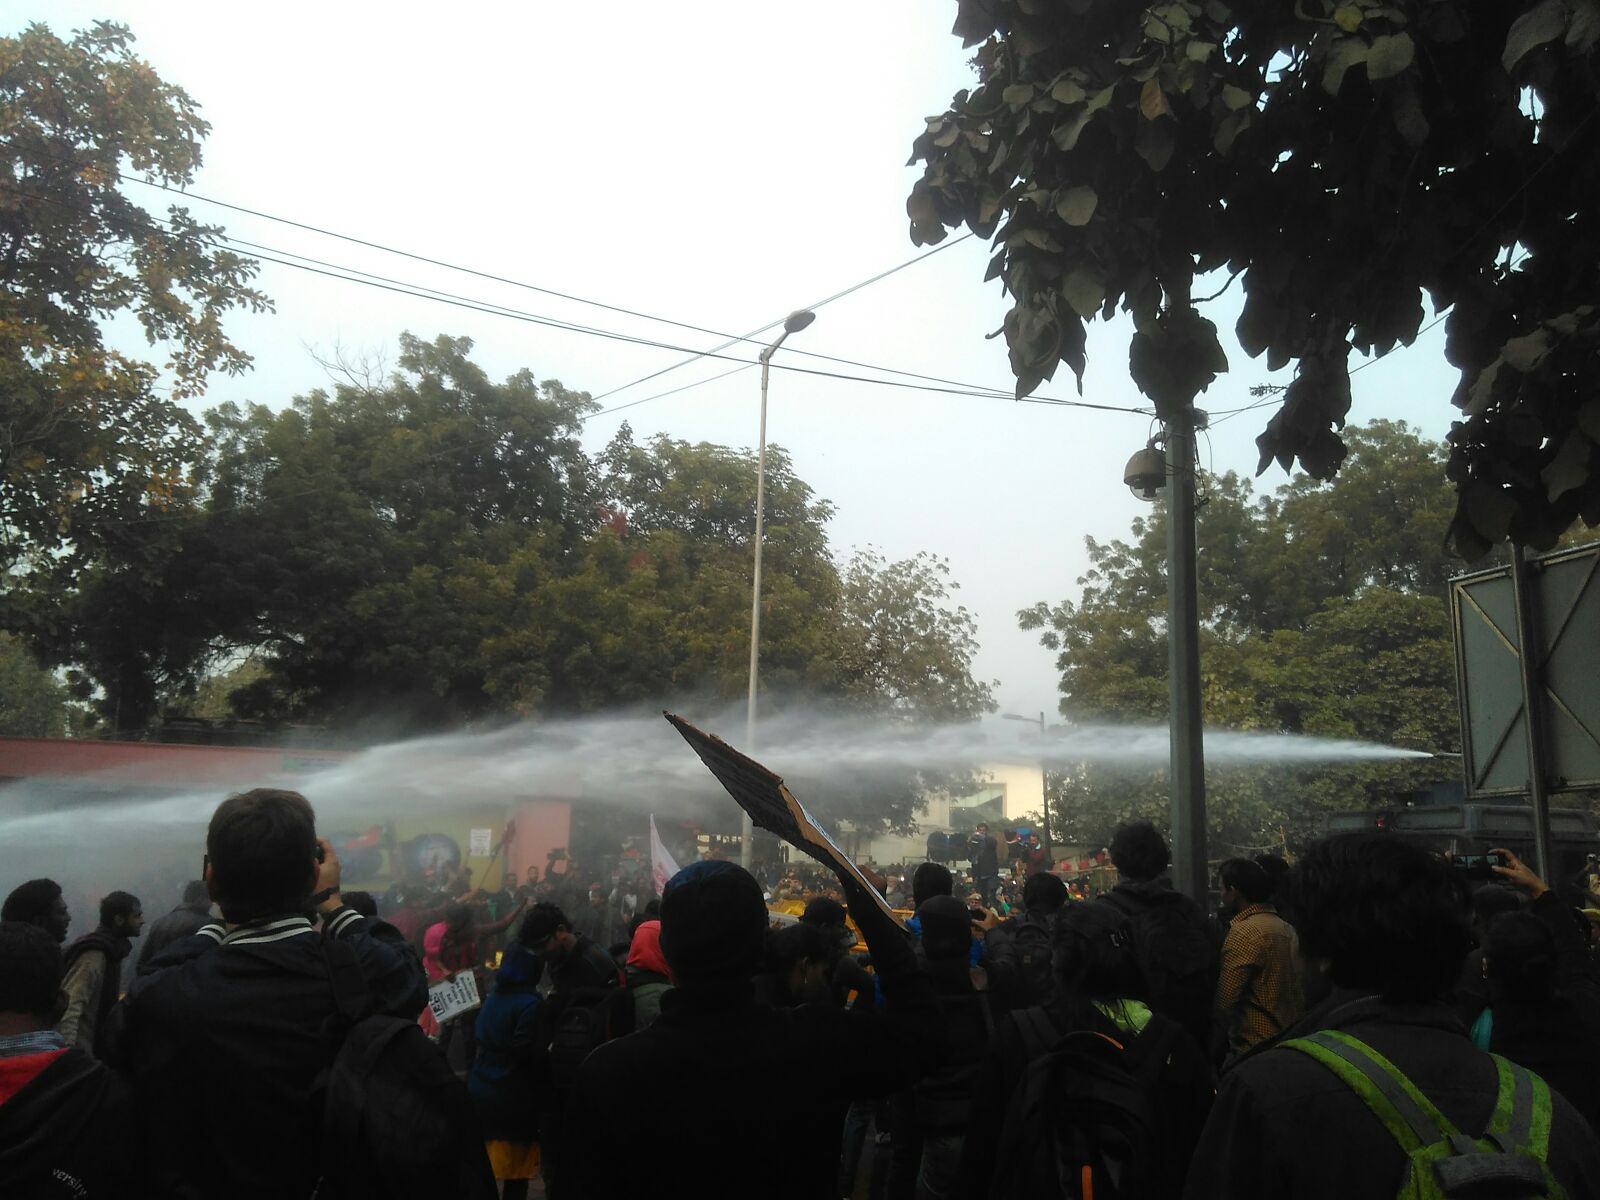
[1490, 902]
[30, 970]
[1246, 878]
[930, 880]
[824, 912]
[1386, 915]
[543, 919]
[261, 844]
[1138, 850]
[362, 902]
[795, 943]
[1090, 961]
[117, 904]
[31, 902]
[1043, 893]
[196, 894]
[1521, 958]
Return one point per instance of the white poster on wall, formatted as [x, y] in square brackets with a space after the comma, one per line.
[480, 844]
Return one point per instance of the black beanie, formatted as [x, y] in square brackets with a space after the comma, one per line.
[713, 923]
[946, 928]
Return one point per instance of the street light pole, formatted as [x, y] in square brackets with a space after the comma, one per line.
[1188, 774]
[1044, 780]
[795, 322]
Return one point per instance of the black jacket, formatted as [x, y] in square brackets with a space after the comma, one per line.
[1140, 899]
[1285, 1128]
[941, 1101]
[984, 853]
[178, 924]
[69, 1125]
[713, 1060]
[224, 1038]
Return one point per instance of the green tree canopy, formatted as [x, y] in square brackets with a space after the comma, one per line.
[88, 440]
[1323, 613]
[1344, 159]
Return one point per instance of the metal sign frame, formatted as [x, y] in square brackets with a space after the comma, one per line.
[1571, 644]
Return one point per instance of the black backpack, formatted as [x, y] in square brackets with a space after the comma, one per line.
[591, 1016]
[1176, 958]
[1086, 1120]
[396, 1122]
[1033, 940]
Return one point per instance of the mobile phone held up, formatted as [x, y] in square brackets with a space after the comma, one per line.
[1477, 866]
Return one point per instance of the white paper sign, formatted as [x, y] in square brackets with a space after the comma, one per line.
[480, 843]
[452, 997]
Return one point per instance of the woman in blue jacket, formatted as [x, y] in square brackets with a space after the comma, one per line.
[501, 1081]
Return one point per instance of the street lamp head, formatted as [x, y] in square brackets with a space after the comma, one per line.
[798, 320]
[1146, 473]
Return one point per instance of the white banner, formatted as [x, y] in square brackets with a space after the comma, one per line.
[662, 868]
[452, 997]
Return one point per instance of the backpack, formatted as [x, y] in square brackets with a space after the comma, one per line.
[1085, 1121]
[591, 1016]
[1032, 941]
[1176, 959]
[396, 1122]
[1505, 1162]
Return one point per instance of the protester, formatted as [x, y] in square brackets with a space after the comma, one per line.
[984, 854]
[1030, 1092]
[718, 1054]
[646, 973]
[238, 1015]
[929, 1120]
[1489, 903]
[364, 903]
[1020, 947]
[39, 902]
[65, 1126]
[1167, 940]
[94, 970]
[186, 920]
[1540, 1010]
[851, 984]
[450, 947]
[502, 1079]
[1390, 922]
[1259, 993]
[799, 959]
[585, 1008]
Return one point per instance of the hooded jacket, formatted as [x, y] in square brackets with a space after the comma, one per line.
[647, 974]
[502, 1081]
[91, 982]
[66, 1132]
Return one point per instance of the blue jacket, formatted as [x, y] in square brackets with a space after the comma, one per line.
[502, 1081]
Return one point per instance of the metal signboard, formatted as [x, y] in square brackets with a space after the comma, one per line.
[1564, 614]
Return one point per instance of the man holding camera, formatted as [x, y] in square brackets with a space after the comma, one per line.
[227, 1033]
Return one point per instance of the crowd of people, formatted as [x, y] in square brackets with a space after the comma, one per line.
[1367, 1022]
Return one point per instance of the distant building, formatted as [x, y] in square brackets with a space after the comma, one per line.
[1009, 793]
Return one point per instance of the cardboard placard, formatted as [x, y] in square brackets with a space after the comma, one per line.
[771, 805]
[452, 997]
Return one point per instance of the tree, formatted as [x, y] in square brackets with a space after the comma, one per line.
[1322, 613]
[1343, 158]
[88, 440]
[32, 702]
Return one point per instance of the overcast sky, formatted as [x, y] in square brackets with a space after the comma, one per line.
[716, 163]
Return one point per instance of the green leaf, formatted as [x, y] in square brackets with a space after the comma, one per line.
[1236, 97]
[1542, 23]
[1389, 55]
[1152, 100]
[1198, 51]
[1084, 290]
[1490, 508]
[1065, 135]
[1076, 205]
[1230, 127]
[1018, 94]
[948, 136]
[1583, 25]
[1589, 419]
[1570, 467]
[1409, 120]
[1154, 142]
[1067, 91]
[1480, 396]
[1526, 353]
[1346, 53]
[1347, 17]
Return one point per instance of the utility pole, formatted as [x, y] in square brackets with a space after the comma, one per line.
[1190, 873]
[1530, 640]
